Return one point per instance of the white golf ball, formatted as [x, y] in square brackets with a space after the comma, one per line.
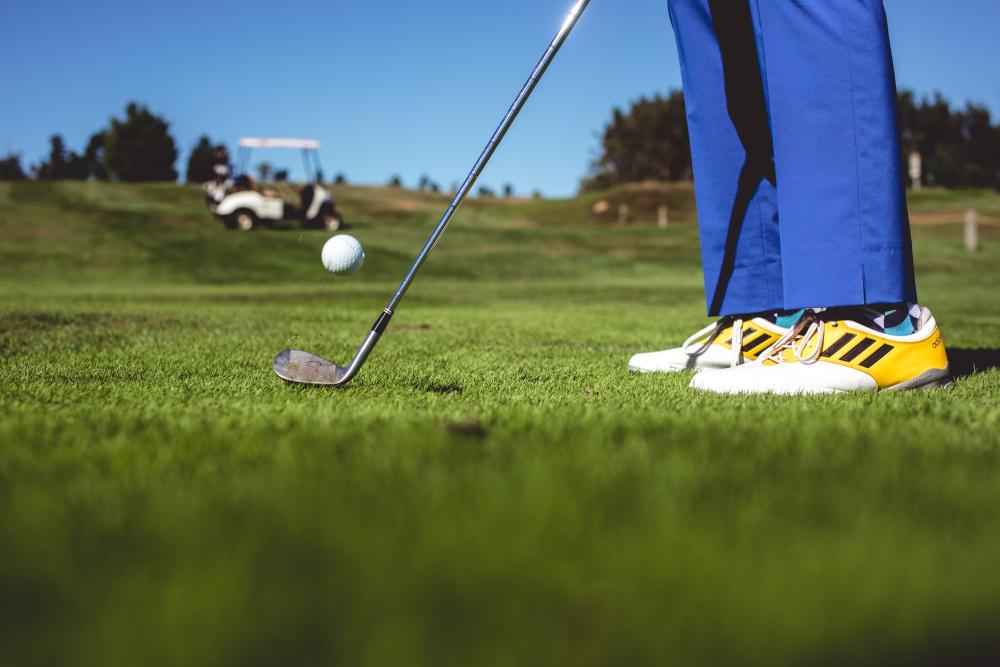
[343, 255]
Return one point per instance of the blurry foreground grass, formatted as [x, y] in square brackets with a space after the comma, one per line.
[494, 489]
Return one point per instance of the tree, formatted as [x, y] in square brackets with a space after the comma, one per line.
[982, 148]
[55, 167]
[486, 192]
[139, 147]
[649, 141]
[10, 168]
[428, 185]
[958, 147]
[202, 160]
[64, 164]
[94, 156]
[396, 181]
[340, 179]
[508, 191]
[77, 168]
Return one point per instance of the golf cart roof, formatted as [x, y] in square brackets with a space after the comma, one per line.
[254, 142]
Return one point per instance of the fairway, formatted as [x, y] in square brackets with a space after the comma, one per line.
[494, 488]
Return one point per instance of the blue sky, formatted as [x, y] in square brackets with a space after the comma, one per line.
[396, 87]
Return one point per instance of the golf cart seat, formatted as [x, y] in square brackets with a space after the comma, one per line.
[242, 183]
[306, 196]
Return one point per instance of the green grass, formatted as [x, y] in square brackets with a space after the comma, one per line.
[494, 488]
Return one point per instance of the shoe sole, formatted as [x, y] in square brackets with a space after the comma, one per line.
[646, 371]
[672, 369]
[932, 379]
[938, 378]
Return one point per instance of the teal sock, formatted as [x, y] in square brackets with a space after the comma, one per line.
[895, 320]
[900, 319]
[787, 320]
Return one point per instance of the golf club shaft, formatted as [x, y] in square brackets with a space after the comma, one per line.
[522, 97]
[491, 147]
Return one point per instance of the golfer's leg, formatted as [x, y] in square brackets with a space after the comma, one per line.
[844, 228]
[731, 151]
[844, 232]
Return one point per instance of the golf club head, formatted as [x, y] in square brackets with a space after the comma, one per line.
[305, 368]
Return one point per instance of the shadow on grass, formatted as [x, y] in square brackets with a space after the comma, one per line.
[441, 388]
[431, 387]
[965, 362]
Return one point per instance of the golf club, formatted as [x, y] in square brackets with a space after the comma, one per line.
[305, 368]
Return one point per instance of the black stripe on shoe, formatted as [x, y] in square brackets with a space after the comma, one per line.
[856, 351]
[839, 345]
[756, 342]
[877, 355]
[749, 332]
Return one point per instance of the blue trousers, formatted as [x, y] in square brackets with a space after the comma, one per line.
[791, 108]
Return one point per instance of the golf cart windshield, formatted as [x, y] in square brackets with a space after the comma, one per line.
[309, 148]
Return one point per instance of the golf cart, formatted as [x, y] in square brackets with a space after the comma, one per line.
[241, 204]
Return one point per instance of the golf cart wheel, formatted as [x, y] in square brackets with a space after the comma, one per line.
[243, 220]
[332, 222]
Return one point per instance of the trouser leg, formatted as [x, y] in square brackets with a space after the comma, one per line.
[832, 99]
[732, 155]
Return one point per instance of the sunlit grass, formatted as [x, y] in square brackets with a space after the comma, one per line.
[494, 488]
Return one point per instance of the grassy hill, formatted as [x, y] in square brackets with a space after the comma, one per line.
[494, 488]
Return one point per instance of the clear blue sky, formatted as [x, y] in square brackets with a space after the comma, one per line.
[390, 86]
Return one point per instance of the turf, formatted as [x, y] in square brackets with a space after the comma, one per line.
[494, 488]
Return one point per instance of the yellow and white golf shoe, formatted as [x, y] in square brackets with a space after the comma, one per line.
[728, 343]
[825, 354]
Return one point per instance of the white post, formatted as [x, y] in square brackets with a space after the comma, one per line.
[971, 230]
[623, 214]
[664, 217]
[916, 170]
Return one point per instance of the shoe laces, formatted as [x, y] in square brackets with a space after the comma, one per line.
[713, 331]
[797, 339]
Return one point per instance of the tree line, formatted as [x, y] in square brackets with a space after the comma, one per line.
[139, 147]
[136, 147]
[959, 147]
